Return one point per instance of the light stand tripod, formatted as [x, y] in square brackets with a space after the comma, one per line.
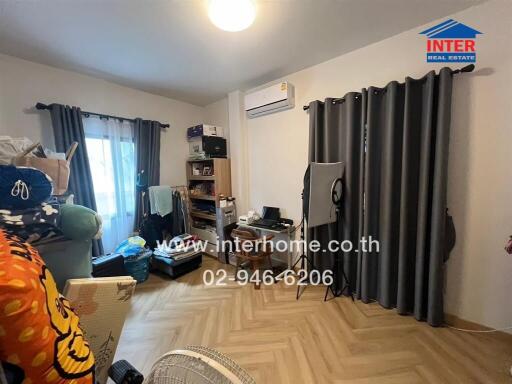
[334, 287]
[304, 259]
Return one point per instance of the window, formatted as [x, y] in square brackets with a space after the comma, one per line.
[111, 152]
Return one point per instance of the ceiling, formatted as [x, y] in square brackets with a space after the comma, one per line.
[170, 48]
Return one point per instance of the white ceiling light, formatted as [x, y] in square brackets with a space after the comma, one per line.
[232, 15]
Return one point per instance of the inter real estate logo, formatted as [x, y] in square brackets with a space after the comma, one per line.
[451, 42]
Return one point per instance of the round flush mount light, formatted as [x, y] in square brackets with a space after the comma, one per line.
[232, 15]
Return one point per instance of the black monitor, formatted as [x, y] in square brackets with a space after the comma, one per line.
[271, 213]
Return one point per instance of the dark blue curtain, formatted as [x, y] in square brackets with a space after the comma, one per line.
[67, 128]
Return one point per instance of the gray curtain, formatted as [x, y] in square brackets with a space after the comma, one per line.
[67, 128]
[147, 151]
[394, 142]
[337, 134]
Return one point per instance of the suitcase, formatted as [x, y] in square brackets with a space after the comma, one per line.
[109, 265]
[176, 268]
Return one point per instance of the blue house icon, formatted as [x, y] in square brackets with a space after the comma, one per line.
[451, 29]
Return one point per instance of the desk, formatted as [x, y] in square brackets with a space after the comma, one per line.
[288, 232]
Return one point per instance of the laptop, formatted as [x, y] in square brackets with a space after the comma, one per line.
[270, 219]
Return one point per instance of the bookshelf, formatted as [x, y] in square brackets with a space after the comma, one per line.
[217, 183]
[207, 179]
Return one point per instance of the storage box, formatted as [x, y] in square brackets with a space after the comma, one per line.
[102, 305]
[204, 130]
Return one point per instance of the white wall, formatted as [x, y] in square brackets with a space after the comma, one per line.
[239, 152]
[479, 282]
[217, 114]
[24, 83]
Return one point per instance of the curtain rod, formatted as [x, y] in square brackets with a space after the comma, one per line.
[467, 68]
[41, 106]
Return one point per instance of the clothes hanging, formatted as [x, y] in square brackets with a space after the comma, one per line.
[161, 200]
[177, 220]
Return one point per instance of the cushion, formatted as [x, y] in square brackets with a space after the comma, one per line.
[39, 332]
[22, 187]
[79, 223]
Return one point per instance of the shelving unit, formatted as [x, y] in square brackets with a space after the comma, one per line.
[204, 197]
[204, 192]
[220, 178]
[203, 215]
[202, 178]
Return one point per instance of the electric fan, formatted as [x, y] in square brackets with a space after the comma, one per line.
[197, 365]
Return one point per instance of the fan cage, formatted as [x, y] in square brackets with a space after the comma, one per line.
[197, 365]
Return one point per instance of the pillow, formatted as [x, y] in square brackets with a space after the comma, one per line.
[79, 223]
[22, 187]
[39, 332]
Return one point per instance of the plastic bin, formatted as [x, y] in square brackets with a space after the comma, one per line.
[137, 266]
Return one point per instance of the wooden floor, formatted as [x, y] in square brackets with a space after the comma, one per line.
[281, 340]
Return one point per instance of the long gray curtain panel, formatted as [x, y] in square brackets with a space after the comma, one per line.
[394, 143]
[147, 152]
[337, 134]
[67, 128]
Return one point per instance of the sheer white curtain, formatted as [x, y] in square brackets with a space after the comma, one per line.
[111, 150]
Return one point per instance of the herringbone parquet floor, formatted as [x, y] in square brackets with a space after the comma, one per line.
[281, 340]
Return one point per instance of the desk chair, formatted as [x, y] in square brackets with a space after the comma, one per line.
[259, 250]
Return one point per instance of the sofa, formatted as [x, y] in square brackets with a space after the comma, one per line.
[70, 256]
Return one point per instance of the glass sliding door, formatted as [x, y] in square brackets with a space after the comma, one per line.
[111, 150]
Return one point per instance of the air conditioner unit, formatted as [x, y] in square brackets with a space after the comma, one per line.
[272, 99]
